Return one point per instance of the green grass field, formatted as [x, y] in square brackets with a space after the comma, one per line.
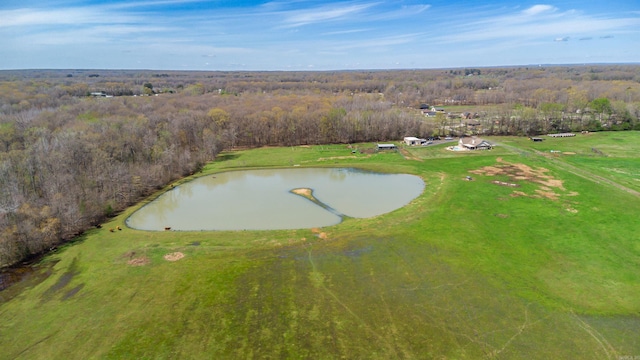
[546, 268]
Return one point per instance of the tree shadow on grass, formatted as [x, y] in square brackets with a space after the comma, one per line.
[227, 157]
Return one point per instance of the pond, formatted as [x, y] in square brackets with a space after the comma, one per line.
[271, 199]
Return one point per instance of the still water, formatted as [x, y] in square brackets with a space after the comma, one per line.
[262, 199]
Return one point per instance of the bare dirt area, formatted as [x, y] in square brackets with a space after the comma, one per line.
[306, 192]
[141, 261]
[320, 234]
[136, 259]
[521, 172]
[174, 256]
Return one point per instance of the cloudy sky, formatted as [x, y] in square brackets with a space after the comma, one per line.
[314, 35]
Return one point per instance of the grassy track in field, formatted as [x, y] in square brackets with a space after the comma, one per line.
[544, 268]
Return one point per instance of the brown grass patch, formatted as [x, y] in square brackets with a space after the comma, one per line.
[488, 171]
[141, 261]
[522, 172]
[547, 194]
[175, 256]
[320, 234]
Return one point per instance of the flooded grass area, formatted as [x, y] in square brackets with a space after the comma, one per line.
[14, 280]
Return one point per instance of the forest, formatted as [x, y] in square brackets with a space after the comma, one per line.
[78, 146]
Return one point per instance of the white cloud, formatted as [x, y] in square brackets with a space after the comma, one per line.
[547, 24]
[344, 32]
[332, 12]
[402, 12]
[373, 44]
[539, 9]
[69, 16]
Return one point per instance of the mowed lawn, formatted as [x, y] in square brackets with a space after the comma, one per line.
[526, 260]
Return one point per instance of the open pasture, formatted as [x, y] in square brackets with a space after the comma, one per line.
[525, 260]
[612, 155]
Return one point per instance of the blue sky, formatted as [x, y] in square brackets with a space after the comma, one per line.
[314, 35]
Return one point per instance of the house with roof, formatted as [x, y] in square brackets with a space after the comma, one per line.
[474, 143]
[411, 141]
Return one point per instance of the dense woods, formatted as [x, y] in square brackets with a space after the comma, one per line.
[77, 146]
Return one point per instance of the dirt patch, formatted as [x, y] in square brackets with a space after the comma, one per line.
[488, 171]
[140, 261]
[521, 172]
[547, 194]
[502, 183]
[320, 234]
[175, 256]
[306, 192]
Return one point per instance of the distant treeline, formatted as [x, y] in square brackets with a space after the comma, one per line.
[69, 157]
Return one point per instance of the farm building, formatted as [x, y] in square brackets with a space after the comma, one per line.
[386, 146]
[411, 141]
[562, 135]
[474, 143]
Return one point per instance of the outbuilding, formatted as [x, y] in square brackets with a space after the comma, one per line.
[386, 146]
[411, 141]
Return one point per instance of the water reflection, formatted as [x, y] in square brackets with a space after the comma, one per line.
[261, 199]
